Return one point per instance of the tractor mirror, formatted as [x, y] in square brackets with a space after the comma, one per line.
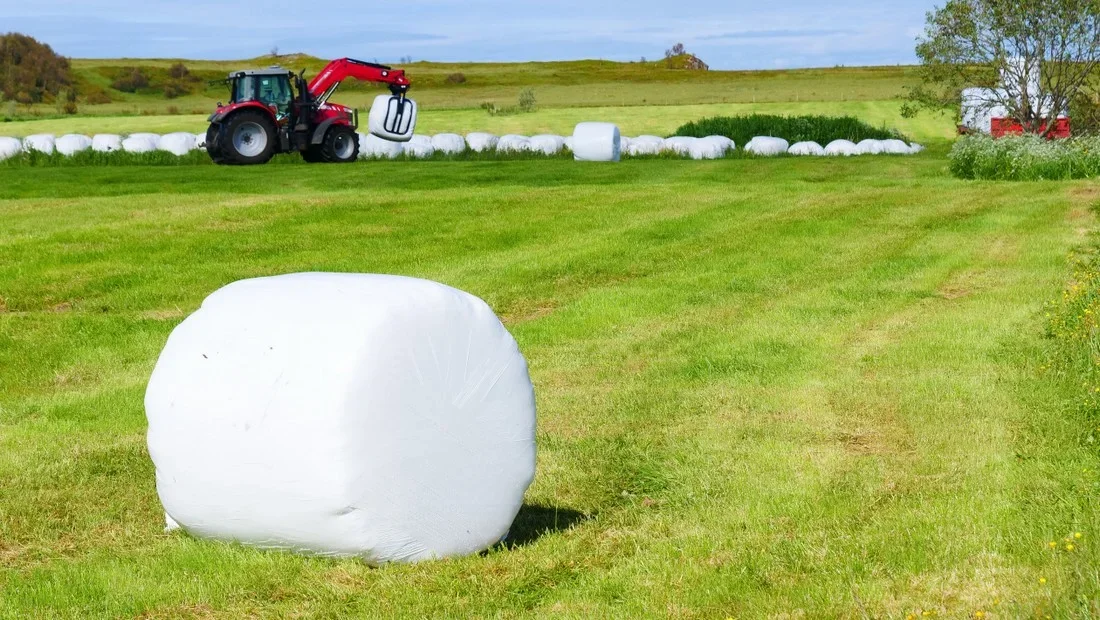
[392, 118]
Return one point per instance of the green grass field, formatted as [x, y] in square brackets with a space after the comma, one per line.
[767, 388]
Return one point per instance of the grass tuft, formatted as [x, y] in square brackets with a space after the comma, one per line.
[820, 129]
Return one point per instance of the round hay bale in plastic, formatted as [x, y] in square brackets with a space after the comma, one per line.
[547, 144]
[511, 143]
[373, 147]
[568, 142]
[106, 143]
[644, 147]
[869, 147]
[706, 149]
[419, 147]
[140, 143]
[895, 147]
[41, 142]
[380, 417]
[723, 142]
[180, 143]
[200, 140]
[145, 136]
[480, 142]
[681, 145]
[449, 143]
[767, 146]
[809, 148]
[915, 148]
[844, 148]
[624, 144]
[9, 147]
[596, 142]
[72, 143]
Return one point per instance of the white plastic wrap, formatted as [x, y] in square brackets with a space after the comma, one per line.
[706, 149]
[9, 147]
[155, 137]
[419, 147]
[511, 143]
[480, 142]
[71, 144]
[643, 146]
[726, 144]
[106, 143]
[870, 147]
[807, 148]
[200, 140]
[568, 143]
[382, 417]
[596, 142]
[373, 147]
[681, 145]
[845, 148]
[547, 144]
[392, 118]
[180, 143]
[41, 142]
[449, 143]
[140, 143]
[895, 147]
[767, 146]
[915, 148]
[624, 144]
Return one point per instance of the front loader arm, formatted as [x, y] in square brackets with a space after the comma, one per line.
[338, 70]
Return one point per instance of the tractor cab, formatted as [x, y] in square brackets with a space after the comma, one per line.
[271, 87]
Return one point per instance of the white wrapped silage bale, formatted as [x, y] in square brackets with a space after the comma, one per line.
[547, 144]
[179, 144]
[200, 140]
[624, 144]
[71, 144]
[807, 148]
[767, 146]
[419, 147]
[568, 143]
[373, 147]
[681, 145]
[706, 149]
[596, 142]
[870, 147]
[644, 147]
[140, 143]
[9, 147]
[381, 417]
[449, 143]
[41, 142]
[845, 148]
[915, 148]
[511, 143]
[479, 142]
[106, 143]
[145, 136]
[895, 147]
[726, 144]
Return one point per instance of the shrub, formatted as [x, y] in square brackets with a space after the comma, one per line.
[173, 90]
[178, 71]
[30, 72]
[97, 97]
[1024, 158]
[820, 129]
[173, 110]
[70, 108]
[132, 79]
[527, 101]
[456, 78]
[1084, 113]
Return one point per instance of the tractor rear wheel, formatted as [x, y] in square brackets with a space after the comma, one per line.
[341, 145]
[246, 138]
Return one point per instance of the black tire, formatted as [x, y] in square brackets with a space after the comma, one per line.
[246, 138]
[340, 146]
[312, 154]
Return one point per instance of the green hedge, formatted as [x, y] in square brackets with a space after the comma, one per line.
[820, 129]
[1024, 158]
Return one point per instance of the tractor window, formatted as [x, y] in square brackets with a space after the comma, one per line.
[244, 89]
[275, 90]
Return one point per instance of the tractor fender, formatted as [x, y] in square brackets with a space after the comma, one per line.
[224, 111]
[322, 129]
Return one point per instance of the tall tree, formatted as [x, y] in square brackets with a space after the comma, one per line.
[31, 71]
[1033, 57]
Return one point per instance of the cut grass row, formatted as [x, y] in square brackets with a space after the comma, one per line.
[765, 387]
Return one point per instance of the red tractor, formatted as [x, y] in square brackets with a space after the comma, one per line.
[266, 116]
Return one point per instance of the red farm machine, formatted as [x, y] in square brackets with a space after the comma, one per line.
[274, 111]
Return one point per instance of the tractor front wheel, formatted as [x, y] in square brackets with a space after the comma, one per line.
[246, 138]
[341, 145]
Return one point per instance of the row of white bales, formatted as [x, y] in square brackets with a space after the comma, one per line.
[421, 146]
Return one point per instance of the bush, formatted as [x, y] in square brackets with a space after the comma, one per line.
[173, 90]
[178, 71]
[31, 72]
[527, 101]
[456, 78]
[820, 129]
[1024, 158]
[1084, 113]
[132, 79]
[97, 97]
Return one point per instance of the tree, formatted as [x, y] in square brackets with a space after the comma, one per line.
[675, 50]
[30, 71]
[1033, 58]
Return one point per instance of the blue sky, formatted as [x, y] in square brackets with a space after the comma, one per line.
[727, 34]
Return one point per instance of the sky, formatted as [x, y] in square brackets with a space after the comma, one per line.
[727, 34]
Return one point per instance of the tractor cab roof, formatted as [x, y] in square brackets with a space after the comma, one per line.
[276, 70]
